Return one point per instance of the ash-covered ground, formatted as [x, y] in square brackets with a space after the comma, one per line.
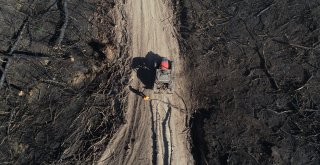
[62, 80]
[255, 71]
[253, 68]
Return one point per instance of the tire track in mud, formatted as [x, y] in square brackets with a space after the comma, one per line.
[166, 141]
[131, 130]
[161, 111]
[154, 136]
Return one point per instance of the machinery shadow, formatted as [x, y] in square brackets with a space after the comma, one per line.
[144, 66]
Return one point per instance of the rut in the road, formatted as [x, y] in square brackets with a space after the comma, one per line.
[166, 142]
[150, 28]
[154, 136]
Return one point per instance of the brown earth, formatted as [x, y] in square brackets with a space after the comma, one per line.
[155, 130]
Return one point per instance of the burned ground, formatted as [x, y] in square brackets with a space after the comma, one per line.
[255, 71]
[61, 86]
[253, 68]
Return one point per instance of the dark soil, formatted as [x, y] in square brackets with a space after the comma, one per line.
[61, 91]
[254, 67]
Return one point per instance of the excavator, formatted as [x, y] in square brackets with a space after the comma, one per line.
[164, 76]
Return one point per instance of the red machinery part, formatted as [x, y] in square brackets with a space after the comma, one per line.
[164, 65]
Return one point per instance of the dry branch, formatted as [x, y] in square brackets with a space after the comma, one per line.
[11, 49]
[23, 56]
[65, 14]
[293, 45]
[264, 67]
[62, 25]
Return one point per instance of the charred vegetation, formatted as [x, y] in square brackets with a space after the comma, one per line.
[61, 96]
[254, 70]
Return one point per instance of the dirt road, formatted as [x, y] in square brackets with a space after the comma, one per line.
[155, 130]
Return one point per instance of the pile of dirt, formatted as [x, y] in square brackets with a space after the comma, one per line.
[254, 71]
[61, 87]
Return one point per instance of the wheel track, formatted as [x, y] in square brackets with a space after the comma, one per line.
[155, 126]
[165, 128]
[154, 135]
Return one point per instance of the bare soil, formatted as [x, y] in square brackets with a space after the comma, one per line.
[154, 132]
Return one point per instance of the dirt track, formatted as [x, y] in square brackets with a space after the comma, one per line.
[155, 130]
